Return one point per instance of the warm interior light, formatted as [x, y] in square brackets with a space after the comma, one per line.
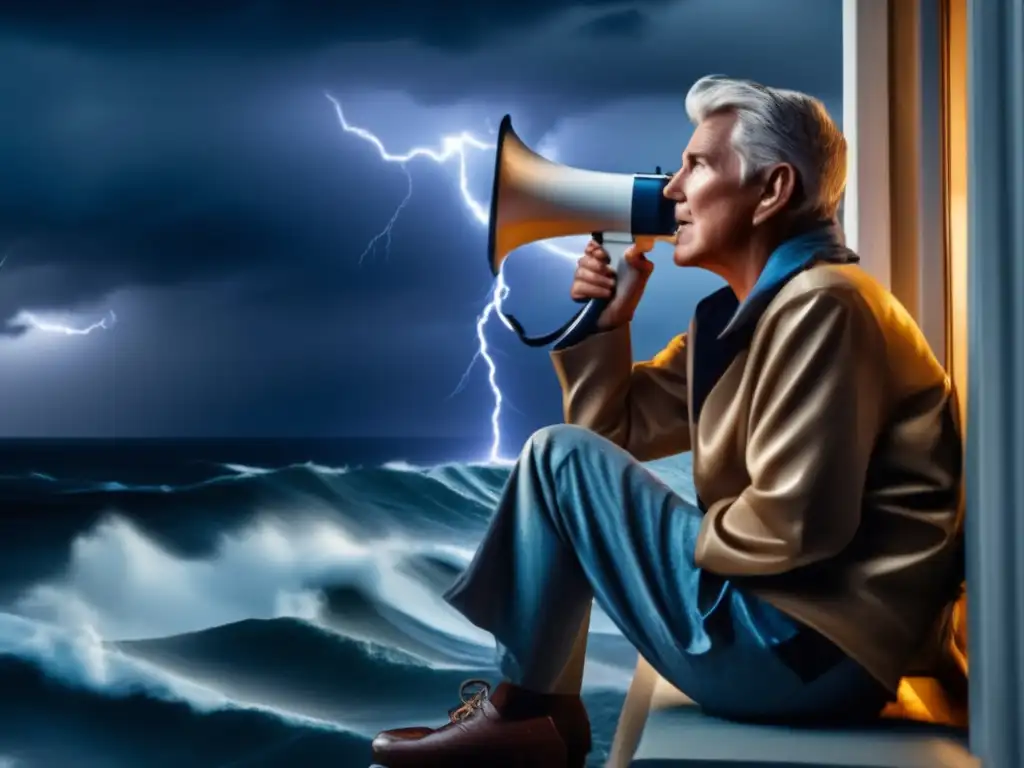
[956, 215]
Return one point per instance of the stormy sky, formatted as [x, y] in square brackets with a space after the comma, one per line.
[179, 167]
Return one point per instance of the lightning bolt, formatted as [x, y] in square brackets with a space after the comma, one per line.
[455, 147]
[28, 320]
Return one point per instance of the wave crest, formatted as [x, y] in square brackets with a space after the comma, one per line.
[127, 585]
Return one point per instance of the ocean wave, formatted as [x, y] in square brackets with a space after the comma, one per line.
[124, 583]
[126, 580]
[62, 722]
[80, 659]
[315, 591]
[305, 668]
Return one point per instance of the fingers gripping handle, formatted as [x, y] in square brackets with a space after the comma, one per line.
[584, 322]
[616, 245]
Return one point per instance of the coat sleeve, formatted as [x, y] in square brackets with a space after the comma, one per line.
[817, 408]
[641, 407]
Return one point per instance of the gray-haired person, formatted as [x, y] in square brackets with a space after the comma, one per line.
[826, 539]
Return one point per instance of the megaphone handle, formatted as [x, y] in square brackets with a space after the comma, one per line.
[584, 322]
[615, 245]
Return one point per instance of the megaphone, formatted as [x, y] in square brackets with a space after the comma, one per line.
[535, 199]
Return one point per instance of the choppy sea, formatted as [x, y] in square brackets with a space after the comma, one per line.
[184, 604]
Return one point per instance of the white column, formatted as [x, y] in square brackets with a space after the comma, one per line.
[995, 401]
[866, 125]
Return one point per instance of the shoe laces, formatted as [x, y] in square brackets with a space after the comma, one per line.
[471, 701]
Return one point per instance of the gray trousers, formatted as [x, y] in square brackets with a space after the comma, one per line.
[580, 519]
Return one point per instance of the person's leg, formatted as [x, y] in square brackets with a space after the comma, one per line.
[579, 517]
[804, 680]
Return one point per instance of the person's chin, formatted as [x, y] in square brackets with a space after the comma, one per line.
[686, 255]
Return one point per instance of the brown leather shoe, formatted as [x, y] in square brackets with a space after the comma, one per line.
[509, 728]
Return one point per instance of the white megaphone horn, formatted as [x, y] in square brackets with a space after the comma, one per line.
[535, 199]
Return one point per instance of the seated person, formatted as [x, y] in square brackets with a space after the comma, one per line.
[826, 537]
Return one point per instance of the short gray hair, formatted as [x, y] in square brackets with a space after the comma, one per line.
[775, 126]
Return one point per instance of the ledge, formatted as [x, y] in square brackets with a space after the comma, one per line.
[684, 737]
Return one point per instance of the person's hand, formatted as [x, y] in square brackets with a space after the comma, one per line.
[595, 279]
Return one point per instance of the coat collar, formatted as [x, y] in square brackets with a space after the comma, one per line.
[822, 243]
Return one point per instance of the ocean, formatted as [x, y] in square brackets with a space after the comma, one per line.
[184, 604]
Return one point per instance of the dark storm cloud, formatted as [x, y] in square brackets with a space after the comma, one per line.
[561, 68]
[165, 143]
[627, 23]
[280, 24]
[534, 47]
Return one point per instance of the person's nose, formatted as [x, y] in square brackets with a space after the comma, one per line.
[674, 189]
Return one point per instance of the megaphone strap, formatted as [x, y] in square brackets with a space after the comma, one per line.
[538, 341]
[579, 326]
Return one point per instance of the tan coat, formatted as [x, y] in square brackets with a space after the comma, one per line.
[827, 456]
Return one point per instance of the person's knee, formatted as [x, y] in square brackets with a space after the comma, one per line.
[557, 443]
[559, 438]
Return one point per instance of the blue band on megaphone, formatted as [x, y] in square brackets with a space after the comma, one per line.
[652, 214]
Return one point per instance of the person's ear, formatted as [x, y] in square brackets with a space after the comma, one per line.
[777, 191]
